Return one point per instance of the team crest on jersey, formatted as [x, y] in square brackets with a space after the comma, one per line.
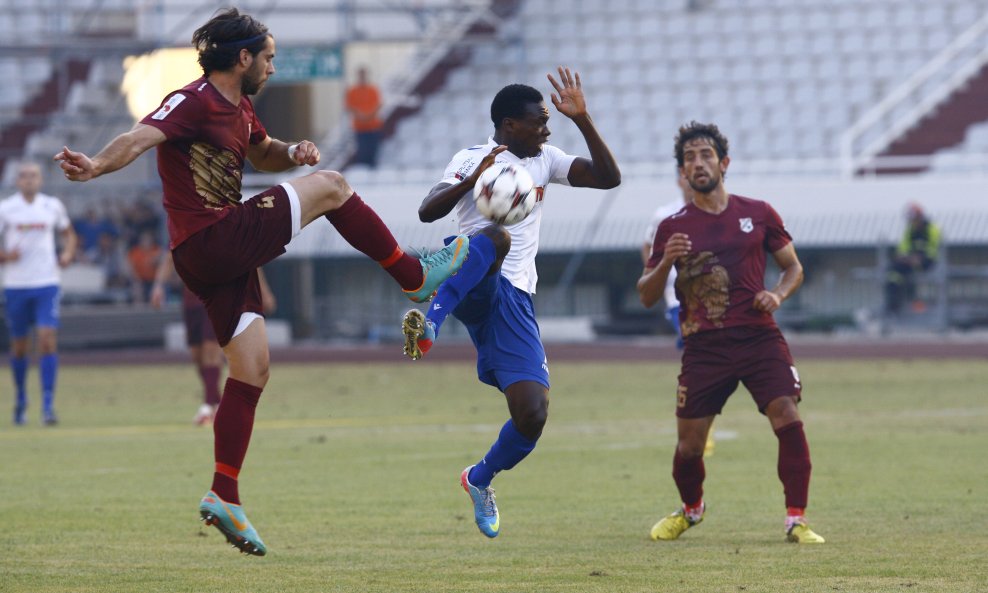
[746, 225]
[168, 107]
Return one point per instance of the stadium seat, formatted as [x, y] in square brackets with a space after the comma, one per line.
[818, 21]
[933, 15]
[909, 40]
[965, 13]
[906, 16]
[876, 18]
[936, 40]
[648, 26]
[881, 41]
[823, 64]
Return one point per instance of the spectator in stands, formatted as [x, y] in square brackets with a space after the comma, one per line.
[205, 132]
[89, 229]
[916, 252]
[144, 258]
[110, 257]
[139, 217]
[363, 101]
[29, 222]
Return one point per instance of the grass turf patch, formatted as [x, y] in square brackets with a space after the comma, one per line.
[352, 481]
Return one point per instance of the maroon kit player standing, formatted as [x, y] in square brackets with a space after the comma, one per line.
[718, 245]
[203, 133]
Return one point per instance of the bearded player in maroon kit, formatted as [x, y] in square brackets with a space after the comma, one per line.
[718, 245]
[204, 132]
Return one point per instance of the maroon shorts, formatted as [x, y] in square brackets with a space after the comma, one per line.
[198, 329]
[219, 263]
[714, 362]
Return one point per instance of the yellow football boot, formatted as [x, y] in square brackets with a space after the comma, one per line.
[800, 533]
[672, 526]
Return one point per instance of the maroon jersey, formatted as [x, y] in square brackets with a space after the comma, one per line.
[717, 282]
[201, 164]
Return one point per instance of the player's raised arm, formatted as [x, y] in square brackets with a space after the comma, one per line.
[443, 196]
[120, 152]
[600, 171]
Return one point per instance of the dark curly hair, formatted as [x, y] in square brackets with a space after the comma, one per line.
[511, 101]
[695, 130]
[220, 40]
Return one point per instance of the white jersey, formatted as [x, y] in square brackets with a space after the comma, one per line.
[29, 228]
[664, 212]
[550, 166]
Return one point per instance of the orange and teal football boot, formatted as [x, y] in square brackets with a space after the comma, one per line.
[230, 519]
[484, 509]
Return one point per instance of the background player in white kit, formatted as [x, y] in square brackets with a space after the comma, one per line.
[29, 221]
[669, 294]
[491, 294]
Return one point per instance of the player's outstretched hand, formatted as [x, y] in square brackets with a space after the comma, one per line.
[677, 245]
[306, 153]
[486, 162]
[568, 97]
[76, 165]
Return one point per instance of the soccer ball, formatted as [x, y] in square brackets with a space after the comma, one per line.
[505, 193]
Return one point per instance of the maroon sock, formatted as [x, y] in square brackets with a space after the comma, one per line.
[211, 384]
[365, 231]
[794, 464]
[231, 432]
[689, 475]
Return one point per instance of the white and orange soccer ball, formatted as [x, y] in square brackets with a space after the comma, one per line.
[505, 193]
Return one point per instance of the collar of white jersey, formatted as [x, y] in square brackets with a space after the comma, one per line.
[507, 154]
[37, 198]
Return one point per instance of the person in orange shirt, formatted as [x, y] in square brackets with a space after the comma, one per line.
[363, 101]
[143, 258]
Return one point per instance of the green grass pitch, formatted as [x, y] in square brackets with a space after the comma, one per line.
[352, 481]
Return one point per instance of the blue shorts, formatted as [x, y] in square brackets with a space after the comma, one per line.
[501, 322]
[31, 306]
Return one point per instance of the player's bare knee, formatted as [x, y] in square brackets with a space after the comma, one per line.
[258, 370]
[691, 449]
[47, 342]
[782, 411]
[501, 238]
[262, 372]
[531, 421]
[335, 189]
[19, 347]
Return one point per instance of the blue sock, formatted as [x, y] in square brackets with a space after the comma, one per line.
[48, 365]
[479, 259]
[509, 448]
[18, 367]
